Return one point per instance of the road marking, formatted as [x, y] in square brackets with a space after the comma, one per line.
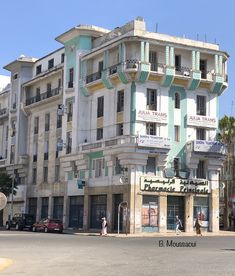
[4, 263]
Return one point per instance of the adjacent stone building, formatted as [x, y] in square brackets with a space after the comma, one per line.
[119, 117]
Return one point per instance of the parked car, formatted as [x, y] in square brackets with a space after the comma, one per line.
[20, 221]
[48, 225]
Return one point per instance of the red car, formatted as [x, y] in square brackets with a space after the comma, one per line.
[48, 225]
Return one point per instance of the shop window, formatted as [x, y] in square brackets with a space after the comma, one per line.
[44, 208]
[98, 210]
[150, 213]
[201, 210]
[151, 99]
[32, 206]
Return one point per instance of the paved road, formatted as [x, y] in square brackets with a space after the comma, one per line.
[63, 254]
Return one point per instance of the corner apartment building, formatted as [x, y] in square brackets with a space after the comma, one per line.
[139, 116]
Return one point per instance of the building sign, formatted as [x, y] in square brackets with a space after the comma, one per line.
[171, 185]
[202, 121]
[145, 140]
[151, 116]
[209, 146]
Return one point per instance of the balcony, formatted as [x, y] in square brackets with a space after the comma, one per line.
[207, 147]
[93, 77]
[183, 71]
[2, 161]
[43, 96]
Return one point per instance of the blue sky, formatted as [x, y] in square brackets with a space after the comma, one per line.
[29, 27]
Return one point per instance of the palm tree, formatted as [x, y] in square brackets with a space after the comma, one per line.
[227, 136]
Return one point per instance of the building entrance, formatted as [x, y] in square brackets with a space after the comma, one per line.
[175, 207]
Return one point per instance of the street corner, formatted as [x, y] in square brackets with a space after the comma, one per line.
[4, 263]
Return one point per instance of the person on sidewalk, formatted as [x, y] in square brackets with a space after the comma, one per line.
[198, 227]
[104, 227]
[178, 224]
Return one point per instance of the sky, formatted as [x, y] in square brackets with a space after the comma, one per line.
[29, 27]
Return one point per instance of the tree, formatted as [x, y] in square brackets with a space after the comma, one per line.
[6, 184]
[227, 136]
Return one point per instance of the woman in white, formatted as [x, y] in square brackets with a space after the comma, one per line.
[104, 227]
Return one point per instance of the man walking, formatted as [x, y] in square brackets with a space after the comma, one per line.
[178, 224]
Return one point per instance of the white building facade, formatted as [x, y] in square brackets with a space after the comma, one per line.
[138, 117]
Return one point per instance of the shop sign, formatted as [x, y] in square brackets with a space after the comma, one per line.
[202, 121]
[151, 116]
[153, 141]
[209, 146]
[171, 185]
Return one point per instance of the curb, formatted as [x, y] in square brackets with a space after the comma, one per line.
[4, 263]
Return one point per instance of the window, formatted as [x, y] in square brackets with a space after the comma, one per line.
[201, 105]
[201, 134]
[47, 122]
[34, 175]
[46, 150]
[49, 90]
[50, 63]
[38, 96]
[177, 100]
[201, 173]
[120, 101]
[70, 84]
[70, 112]
[62, 58]
[176, 166]
[100, 107]
[177, 133]
[35, 152]
[59, 121]
[98, 166]
[15, 77]
[57, 172]
[36, 124]
[151, 128]
[45, 174]
[151, 165]
[119, 129]
[99, 134]
[118, 167]
[69, 142]
[100, 66]
[38, 69]
[59, 83]
[177, 63]
[151, 99]
[153, 60]
[44, 208]
[203, 68]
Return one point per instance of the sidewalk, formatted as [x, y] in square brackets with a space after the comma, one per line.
[140, 235]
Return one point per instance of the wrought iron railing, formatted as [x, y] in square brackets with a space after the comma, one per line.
[42, 96]
[113, 69]
[132, 63]
[3, 111]
[93, 77]
[181, 70]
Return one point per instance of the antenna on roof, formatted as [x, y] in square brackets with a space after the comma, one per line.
[156, 27]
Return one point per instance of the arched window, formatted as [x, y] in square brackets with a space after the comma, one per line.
[177, 100]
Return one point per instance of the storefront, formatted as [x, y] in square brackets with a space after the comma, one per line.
[163, 199]
[98, 207]
[76, 206]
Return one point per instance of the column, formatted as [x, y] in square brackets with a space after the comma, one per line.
[162, 213]
[85, 213]
[189, 213]
[50, 207]
[66, 211]
[39, 207]
[109, 214]
[214, 201]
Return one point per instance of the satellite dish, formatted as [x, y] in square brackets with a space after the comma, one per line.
[3, 201]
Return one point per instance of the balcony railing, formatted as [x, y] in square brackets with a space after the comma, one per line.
[113, 69]
[181, 70]
[3, 111]
[93, 77]
[157, 67]
[42, 96]
[132, 63]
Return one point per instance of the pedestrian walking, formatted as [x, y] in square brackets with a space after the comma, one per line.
[104, 227]
[178, 224]
[198, 227]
